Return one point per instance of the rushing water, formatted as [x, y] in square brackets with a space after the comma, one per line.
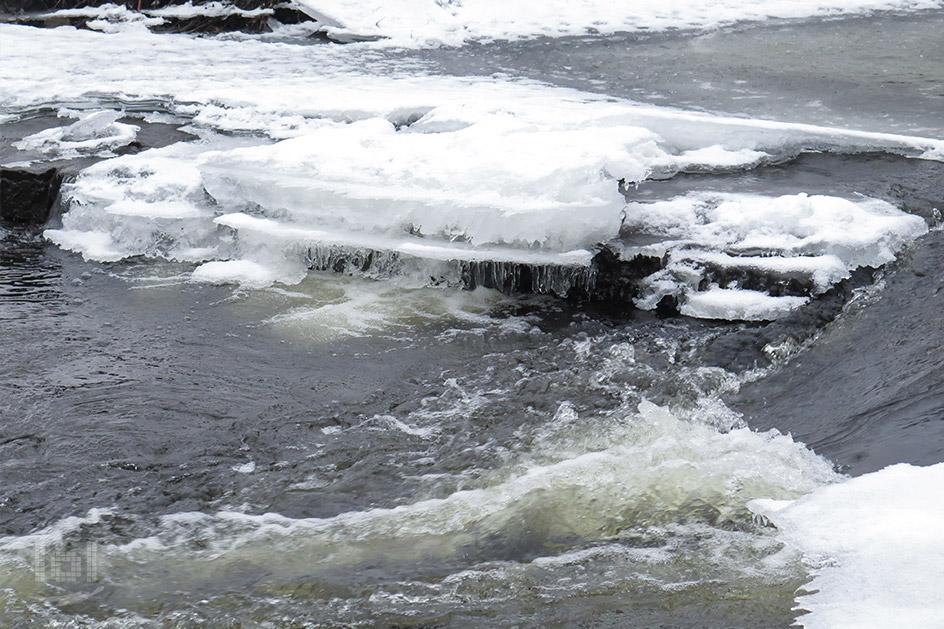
[380, 449]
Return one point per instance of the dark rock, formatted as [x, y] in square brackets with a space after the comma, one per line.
[215, 24]
[667, 307]
[743, 349]
[617, 280]
[13, 7]
[26, 197]
[771, 282]
[288, 14]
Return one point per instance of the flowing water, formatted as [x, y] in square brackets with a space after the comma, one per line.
[208, 433]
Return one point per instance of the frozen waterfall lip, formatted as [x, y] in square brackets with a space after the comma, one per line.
[407, 246]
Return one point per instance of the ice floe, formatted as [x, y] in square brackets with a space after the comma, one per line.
[97, 133]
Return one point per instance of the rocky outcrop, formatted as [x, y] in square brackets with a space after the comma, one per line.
[27, 197]
[247, 16]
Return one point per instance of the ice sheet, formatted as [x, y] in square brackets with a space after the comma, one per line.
[452, 22]
[369, 154]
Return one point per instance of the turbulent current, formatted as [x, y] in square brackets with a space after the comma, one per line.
[548, 315]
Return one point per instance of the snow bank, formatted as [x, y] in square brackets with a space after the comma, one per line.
[876, 546]
[452, 22]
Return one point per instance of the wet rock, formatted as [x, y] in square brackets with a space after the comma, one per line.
[742, 349]
[775, 284]
[668, 307]
[212, 24]
[617, 281]
[27, 197]
[41, 13]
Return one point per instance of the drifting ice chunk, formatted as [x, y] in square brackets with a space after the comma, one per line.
[876, 546]
[98, 133]
[243, 272]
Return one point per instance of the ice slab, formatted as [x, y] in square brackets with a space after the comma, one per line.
[803, 241]
[451, 22]
[746, 305]
[495, 182]
[876, 547]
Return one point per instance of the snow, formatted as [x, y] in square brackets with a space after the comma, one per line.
[746, 305]
[110, 18]
[875, 545]
[453, 22]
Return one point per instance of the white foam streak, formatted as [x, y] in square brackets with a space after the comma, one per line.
[661, 469]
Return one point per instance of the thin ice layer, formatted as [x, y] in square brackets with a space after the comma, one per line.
[877, 547]
[451, 22]
[97, 133]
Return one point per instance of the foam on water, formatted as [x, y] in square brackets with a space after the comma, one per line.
[436, 22]
[875, 545]
[640, 471]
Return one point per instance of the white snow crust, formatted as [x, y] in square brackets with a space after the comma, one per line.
[816, 238]
[875, 545]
